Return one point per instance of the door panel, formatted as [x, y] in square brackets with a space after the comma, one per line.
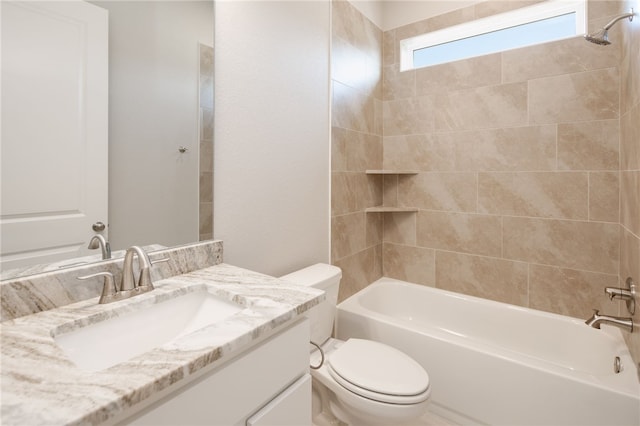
[54, 129]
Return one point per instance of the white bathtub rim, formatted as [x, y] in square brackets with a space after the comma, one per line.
[623, 384]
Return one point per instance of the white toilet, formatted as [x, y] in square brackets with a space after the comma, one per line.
[361, 382]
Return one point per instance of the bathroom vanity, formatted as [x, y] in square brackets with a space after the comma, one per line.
[246, 364]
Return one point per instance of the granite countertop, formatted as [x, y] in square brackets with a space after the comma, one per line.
[40, 385]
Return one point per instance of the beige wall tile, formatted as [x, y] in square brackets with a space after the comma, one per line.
[359, 270]
[352, 109]
[205, 219]
[490, 278]
[206, 156]
[630, 139]
[408, 116]
[206, 187]
[398, 85]
[574, 97]
[206, 124]
[409, 263]
[467, 233]
[339, 138]
[390, 190]
[629, 40]
[629, 256]
[630, 200]
[603, 9]
[430, 152]
[604, 196]
[363, 151]
[493, 7]
[590, 246]
[389, 44]
[630, 267]
[460, 75]
[352, 192]
[348, 234]
[572, 55]
[400, 228]
[436, 23]
[570, 292]
[486, 107]
[507, 149]
[563, 195]
[377, 118]
[354, 67]
[630, 160]
[589, 145]
[375, 230]
[351, 25]
[455, 191]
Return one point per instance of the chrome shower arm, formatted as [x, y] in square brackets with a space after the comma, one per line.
[629, 15]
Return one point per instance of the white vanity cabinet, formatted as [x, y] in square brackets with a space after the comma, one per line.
[266, 384]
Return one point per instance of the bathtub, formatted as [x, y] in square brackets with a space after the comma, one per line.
[499, 364]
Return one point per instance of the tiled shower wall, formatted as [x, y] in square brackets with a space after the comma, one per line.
[356, 236]
[528, 165]
[630, 160]
[517, 156]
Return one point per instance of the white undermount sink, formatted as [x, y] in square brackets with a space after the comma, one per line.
[117, 339]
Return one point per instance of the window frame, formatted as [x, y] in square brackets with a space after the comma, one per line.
[537, 12]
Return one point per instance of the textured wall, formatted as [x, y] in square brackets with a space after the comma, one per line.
[271, 158]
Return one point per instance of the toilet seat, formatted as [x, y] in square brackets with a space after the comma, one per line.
[379, 372]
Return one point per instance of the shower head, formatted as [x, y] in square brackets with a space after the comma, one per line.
[602, 37]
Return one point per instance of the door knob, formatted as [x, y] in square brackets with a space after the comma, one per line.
[98, 226]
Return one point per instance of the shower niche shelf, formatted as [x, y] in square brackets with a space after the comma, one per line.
[385, 209]
[391, 172]
[391, 209]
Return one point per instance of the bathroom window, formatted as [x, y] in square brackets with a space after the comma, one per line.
[540, 23]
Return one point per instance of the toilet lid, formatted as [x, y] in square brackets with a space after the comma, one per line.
[378, 371]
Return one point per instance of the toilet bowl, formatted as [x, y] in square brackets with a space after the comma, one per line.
[362, 382]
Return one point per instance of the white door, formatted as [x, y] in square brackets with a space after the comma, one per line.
[54, 129]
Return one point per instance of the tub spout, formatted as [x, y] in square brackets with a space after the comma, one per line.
[596, 319]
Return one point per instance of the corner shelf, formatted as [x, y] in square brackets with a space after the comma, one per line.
[385, 209]
[389, 209]
[391, 172]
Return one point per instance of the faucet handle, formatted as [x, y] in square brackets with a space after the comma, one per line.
[108, 288]
[144, 281]
[162, 259]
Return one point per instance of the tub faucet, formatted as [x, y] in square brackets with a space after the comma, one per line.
[98, 241]
[596, 319]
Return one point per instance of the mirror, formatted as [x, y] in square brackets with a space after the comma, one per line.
[160, 126]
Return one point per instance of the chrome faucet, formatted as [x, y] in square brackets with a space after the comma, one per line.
[627, 294]
[98, 241]
[128, 286]
[129, 283]
[596, 319]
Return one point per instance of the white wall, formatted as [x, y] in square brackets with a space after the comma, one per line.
[390, 14]
[271, 140]
[153, 109]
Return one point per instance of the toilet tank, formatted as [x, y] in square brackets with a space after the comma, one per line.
[327, 278]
